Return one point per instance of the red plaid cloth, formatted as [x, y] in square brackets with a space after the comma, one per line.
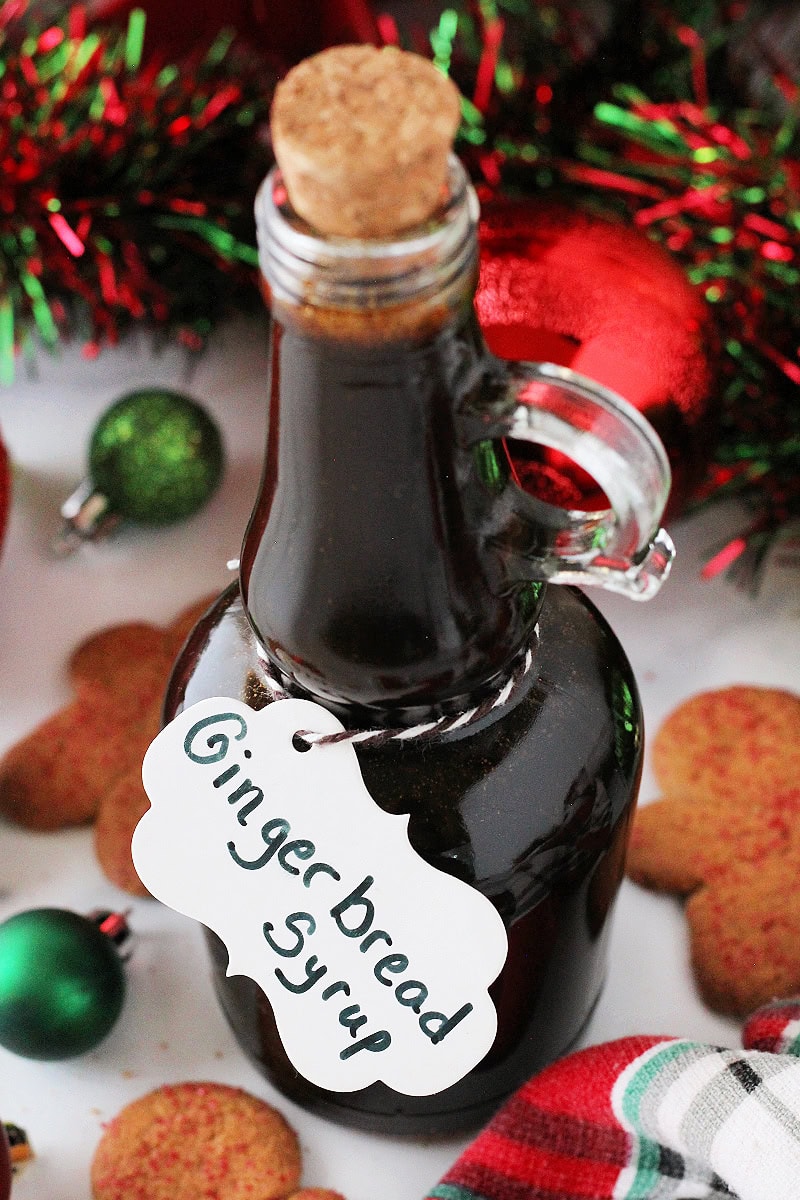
[648, 1118]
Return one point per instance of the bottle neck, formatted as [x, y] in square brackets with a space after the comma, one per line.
[367, 569]
[427, 267]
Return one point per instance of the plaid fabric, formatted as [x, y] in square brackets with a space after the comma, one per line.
[775, 1027]
[648, 1119]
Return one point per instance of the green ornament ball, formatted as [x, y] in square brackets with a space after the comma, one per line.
[156, 455]
[62, 984]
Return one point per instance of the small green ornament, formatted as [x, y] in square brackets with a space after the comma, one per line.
[155, 457]
[61, 983]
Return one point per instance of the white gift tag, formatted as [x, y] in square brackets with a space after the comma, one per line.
[377, 965]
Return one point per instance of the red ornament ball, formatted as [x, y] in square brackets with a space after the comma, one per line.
[5, 489]
[563, 285]
[5, 1166]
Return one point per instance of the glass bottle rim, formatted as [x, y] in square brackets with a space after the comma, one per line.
[302, 266]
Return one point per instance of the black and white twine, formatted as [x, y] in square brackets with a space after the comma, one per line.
[426, 730]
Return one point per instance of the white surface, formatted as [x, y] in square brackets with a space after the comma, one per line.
[693, 636]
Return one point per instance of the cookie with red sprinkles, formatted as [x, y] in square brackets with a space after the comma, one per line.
[725, 834]
[189, 1140]
[84, 763]
[316, 1194]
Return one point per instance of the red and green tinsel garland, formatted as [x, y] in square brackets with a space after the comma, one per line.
[722, 192]
[127, 187]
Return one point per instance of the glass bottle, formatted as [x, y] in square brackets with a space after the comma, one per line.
[393, 572]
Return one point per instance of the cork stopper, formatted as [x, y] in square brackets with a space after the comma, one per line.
[362, 137]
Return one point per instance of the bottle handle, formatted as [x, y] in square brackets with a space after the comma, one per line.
[621, 548]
